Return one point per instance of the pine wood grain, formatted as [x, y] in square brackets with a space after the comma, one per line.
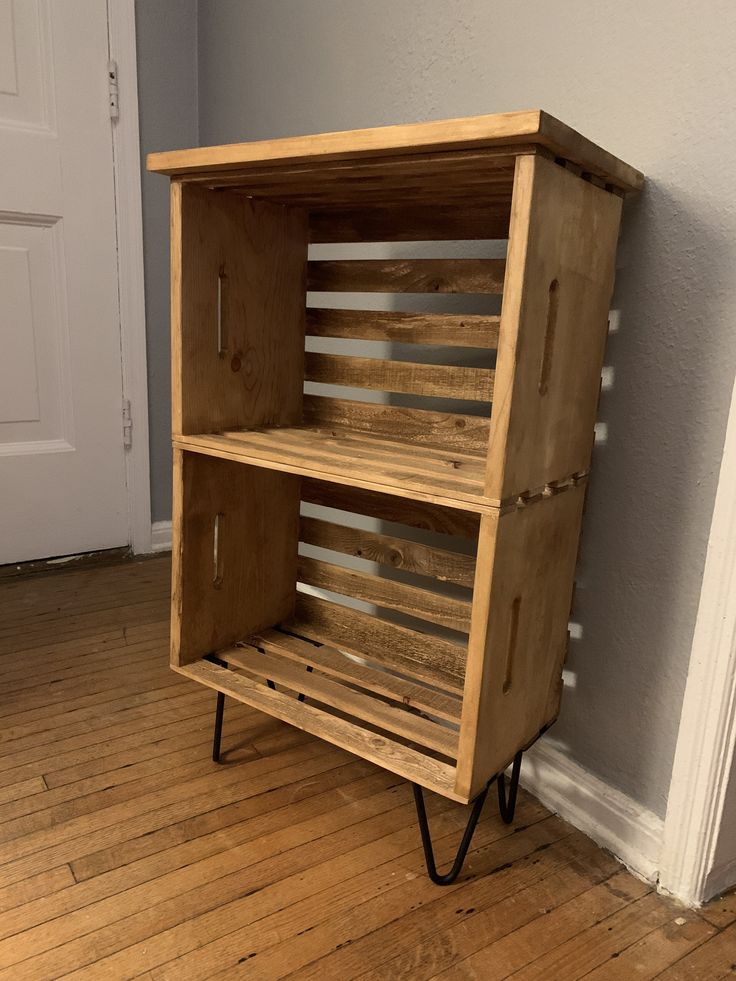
[472, 132]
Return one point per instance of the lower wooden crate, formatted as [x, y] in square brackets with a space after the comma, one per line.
[435, 636]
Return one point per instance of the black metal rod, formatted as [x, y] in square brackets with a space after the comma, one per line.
[449, 877]
[217, 739]
[507, 806]
[301, 695]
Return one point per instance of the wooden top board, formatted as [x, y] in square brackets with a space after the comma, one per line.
[511, 130]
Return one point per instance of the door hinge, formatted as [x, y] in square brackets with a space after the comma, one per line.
[112, 89]
[127, 425]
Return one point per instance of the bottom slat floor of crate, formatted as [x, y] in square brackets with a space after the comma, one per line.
[406, 727]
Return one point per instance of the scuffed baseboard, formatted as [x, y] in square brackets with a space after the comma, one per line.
[608, 816]
[161, 536]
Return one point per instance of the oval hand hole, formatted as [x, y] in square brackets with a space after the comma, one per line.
[221, 299]
[511, 646]
[553, 302]
[217, 550]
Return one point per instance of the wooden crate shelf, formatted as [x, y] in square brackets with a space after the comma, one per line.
[414, 471]
[389, 529]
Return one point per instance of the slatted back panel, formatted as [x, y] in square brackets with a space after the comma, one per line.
[408, 395]
[391, 596]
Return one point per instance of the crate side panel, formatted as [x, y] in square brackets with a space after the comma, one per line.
[235, 542]
[238, 295]
[554, 320]
[518, 640]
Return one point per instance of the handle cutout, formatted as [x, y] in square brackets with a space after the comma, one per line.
[553, 302]
[511, 646]
[217, 570]
[221, 325]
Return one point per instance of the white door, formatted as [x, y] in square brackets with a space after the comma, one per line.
[62, 465]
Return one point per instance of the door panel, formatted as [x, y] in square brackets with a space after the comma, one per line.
[62, 465]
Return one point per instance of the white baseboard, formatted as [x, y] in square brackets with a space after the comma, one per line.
[161, 536]
[609, 817]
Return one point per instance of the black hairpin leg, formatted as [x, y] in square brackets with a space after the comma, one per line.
[434, 875]
[219, 709]
[301, 694]
[505, 806]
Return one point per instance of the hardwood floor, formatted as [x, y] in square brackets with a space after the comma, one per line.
[125, 852]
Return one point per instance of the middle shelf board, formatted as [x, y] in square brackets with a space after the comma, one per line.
[403, 468]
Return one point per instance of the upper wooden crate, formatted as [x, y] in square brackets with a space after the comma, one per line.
[242, 215]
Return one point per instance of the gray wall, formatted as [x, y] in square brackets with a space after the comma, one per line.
[649, 83]
[166, 37]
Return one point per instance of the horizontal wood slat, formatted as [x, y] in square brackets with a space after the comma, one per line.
[407, 762]
[397, 553]
[407, 511]
[449, 430]
[438, 381]
[432, 223]
[389, 454]
[411, 600]
[460, 330]
[430, 659]
[329, 661]
[407, 275]
[391, 718]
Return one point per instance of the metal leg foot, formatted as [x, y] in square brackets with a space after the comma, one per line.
[507, 806]
[217, 739]
[449, 877]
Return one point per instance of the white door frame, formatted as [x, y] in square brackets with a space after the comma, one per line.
[129, 220]
[704, 757]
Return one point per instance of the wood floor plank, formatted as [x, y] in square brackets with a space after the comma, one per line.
[168, 902]
[275, 946]
[89, 707]
[482, 909]
[119, 824]
[19, 791]
[364, 864]
[76, 805]
[37, 886]
[588, 931]
[22, 740]
[658, 950]
[711, 961]
[124, 851]
[721, 912]
[108, 895]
